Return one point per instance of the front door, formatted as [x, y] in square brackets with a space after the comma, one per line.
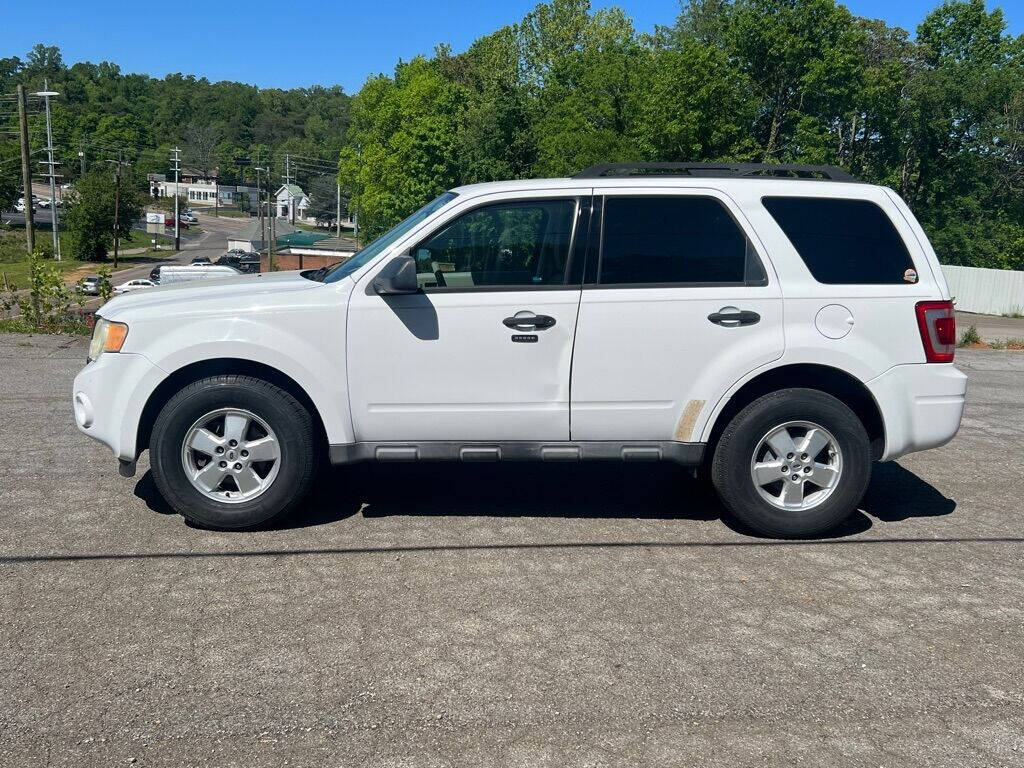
[678, 306]
[483, 352]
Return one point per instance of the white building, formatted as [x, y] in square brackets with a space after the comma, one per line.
[292, 202]
[204, 189]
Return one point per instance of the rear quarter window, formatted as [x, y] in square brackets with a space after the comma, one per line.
[843, 241]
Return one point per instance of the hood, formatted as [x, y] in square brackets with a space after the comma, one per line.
[181, 298]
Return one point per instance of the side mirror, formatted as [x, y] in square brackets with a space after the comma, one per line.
[397, 277]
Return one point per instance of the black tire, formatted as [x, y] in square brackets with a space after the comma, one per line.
[731, 465]
[290, 421]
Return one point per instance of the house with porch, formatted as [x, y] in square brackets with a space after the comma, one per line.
[291, 202]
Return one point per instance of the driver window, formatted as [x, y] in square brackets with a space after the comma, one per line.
[522, 243]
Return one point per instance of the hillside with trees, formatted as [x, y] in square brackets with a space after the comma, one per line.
[938, 115]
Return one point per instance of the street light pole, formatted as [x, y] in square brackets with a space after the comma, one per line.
[55, 227]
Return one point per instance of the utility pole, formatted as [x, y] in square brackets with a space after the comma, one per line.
[270, 226]
[26, 171]
[337, 210]
[117, 201]
[359, 175]
[259, 208]
[55, 226]
[81, 159]
[177, 168]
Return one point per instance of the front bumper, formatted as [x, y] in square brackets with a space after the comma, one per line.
[109, 395]
[921, 406]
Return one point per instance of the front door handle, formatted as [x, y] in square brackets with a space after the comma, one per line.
[731, 317]
[526, 320]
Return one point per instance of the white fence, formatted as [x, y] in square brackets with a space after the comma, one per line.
[986, 291]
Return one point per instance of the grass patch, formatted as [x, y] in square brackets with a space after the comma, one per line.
[14, 264]
[969, 336]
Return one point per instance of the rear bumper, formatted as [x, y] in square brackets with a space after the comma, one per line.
[109, 395]
[921, 406]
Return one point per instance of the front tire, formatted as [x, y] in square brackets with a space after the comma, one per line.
[793, 463]
[232, 451]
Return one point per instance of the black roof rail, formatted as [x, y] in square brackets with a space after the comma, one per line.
[718, 170]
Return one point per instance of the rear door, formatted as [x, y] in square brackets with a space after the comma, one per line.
[679, 302]
[483, 353]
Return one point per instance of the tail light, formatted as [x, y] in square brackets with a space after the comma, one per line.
[937, 324]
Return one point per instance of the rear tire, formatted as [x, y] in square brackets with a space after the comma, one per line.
[232, 452]
[817, 446]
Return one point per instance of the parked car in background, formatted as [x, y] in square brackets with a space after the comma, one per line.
[189, 272]
[90, 285]
[200, 261]
[783, 327]
[19, 205]
[134, 285]
[189, 217]
[169, 222]
[243, 261]
[44, 202]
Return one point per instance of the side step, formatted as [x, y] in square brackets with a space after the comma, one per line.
[686, 454]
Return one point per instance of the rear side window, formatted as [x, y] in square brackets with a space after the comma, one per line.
[852, 242]
[684, 239]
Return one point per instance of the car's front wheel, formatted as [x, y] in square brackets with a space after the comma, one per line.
[232, 451]
[792, 463]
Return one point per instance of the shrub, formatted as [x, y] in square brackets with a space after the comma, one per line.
[969, 336]
[46, 305]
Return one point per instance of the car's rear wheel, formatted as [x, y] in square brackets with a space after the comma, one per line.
[232, 451]
[792, 463]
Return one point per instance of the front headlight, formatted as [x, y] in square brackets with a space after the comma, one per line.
[106, 337]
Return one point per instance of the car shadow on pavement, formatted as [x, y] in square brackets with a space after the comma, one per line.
[582, 491]
[897, 494]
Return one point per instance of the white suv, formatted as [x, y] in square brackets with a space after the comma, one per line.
[784, 326]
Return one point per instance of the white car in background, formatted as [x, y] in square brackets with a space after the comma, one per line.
[133, 285]
[783, 327]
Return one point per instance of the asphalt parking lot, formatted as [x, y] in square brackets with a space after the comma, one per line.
[521, 615]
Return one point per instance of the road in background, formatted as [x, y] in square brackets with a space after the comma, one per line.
[211, 243]
[520, 614]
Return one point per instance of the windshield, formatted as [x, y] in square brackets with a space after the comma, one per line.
[385, 241]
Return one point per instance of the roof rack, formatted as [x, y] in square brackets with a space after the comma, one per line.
[718, 170]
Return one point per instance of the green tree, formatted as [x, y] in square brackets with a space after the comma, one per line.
[90, 217]
[405, 133]
[323, 199]
[802, 59]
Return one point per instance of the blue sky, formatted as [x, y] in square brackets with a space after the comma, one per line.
[270, 44]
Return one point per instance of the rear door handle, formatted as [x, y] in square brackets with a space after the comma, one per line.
[527, 320]
[731, 317]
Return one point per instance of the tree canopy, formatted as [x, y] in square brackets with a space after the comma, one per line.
[937, 115]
